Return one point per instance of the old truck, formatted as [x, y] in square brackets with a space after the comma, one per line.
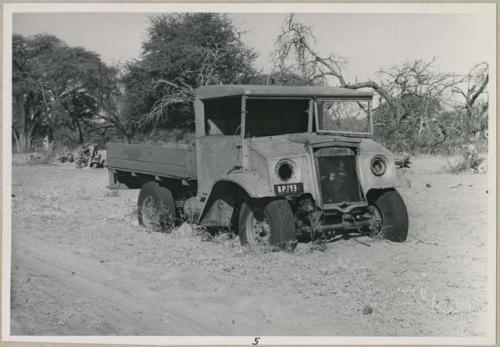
[275, 164]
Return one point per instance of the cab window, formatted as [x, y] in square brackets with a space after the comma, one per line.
[222, 116]
[272, 116]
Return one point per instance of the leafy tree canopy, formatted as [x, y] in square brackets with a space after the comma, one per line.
[181, 53]
[54, 85]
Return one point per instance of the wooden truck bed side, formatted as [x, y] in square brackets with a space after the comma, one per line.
[176, 162]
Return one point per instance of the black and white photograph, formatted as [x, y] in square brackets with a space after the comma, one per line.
[249, 174]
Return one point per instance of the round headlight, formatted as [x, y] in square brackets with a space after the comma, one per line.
[378, 165]
[284, 170]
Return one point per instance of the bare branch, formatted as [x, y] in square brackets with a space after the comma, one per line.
[478, 92]
[375, 86]
[295, 53]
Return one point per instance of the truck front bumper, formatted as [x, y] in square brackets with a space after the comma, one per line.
[361, 219]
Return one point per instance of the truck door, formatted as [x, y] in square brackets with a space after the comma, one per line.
[216, 156]
[219, 142]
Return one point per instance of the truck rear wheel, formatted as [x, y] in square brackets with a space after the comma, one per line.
[391, 209]
[156, 207]
[265, 224]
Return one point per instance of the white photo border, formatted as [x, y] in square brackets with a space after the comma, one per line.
[487, 9]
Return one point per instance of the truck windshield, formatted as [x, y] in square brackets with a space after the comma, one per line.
[273, 116]
[344, 116]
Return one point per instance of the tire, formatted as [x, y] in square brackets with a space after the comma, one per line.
[264, 224]
[393, 213]
[156, 207]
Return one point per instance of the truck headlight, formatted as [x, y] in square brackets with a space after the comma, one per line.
[378, 165]
[285, 170]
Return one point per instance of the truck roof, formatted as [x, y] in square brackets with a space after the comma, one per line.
[227, 90]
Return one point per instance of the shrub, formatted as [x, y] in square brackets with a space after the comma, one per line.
[470, 161]
[166, 138]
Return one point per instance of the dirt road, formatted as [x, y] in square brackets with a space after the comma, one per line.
[82, 266]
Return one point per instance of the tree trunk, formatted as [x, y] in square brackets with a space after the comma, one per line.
[23, 143]
[21, 133]
[80, 133]
[129, 137]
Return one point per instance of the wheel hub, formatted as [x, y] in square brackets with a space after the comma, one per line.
[260, 229]
[376, 222]
[150, 216]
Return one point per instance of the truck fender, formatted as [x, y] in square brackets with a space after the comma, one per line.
[230, 191]
[391, 179]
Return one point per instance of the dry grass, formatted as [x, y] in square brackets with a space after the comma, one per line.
[469, 161]
[44, 156]
[433, 284]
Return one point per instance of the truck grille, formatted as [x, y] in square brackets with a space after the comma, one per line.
[337, 175]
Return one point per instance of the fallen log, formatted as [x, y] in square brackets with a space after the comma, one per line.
[89, 157]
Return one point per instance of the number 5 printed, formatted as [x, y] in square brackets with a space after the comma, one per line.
[256, 341]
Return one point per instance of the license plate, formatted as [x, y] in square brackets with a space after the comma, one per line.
[289, 189]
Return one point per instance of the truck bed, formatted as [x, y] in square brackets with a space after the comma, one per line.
[172, 162]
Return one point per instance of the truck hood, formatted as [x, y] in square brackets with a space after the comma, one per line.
[276, 147]
[316, 139]
[297, 144]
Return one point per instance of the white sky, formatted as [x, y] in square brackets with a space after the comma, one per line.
[368, 41]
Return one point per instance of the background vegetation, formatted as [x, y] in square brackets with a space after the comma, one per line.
[67, 96]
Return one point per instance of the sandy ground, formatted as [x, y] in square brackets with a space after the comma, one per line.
[82, 266]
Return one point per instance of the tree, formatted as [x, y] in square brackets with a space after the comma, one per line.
[280, 78]
[420, 95]
[54, 85]
[474, 107]
[295, 53]
[29, 101]
[81, 109]
[183, 52]
[416, 109]
[475, 82]
[111, 100]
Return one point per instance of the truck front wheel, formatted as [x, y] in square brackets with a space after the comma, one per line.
[155, 207]
[265, 223]
[390, 209]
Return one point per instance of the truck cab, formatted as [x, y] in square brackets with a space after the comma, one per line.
[277, 164]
